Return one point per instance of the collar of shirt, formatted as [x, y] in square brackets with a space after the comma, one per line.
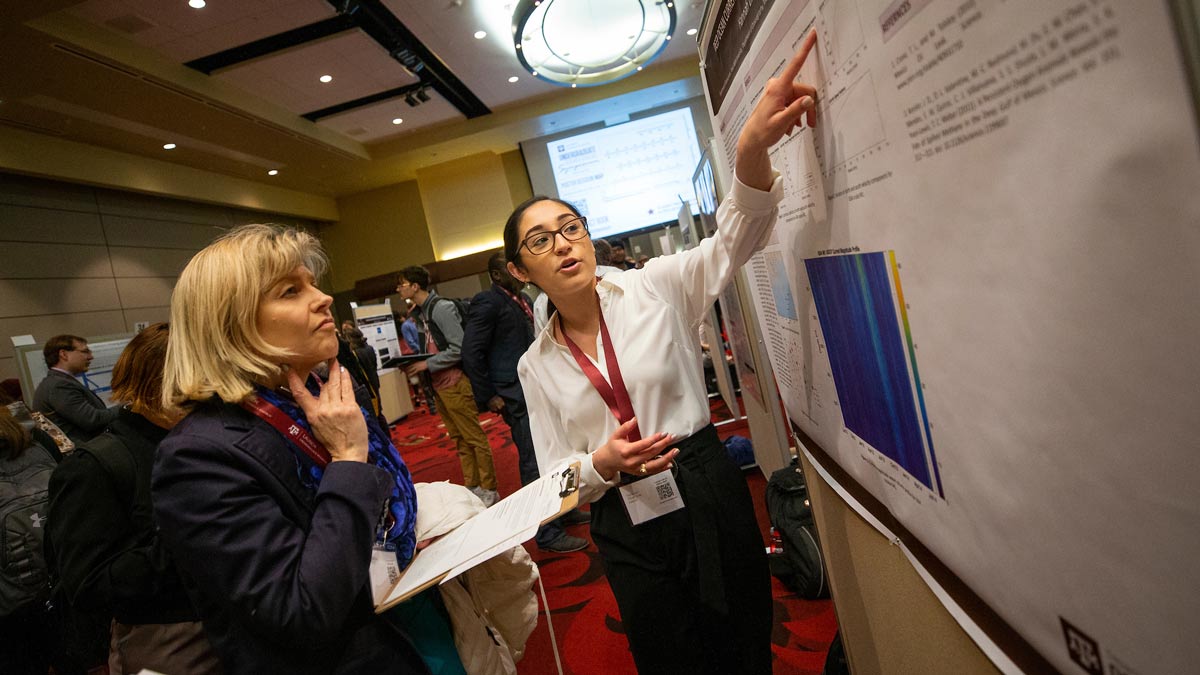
[604, 288]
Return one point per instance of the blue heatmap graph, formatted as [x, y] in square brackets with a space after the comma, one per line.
[873, 361]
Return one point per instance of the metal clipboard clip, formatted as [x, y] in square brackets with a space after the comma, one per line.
[568, 482]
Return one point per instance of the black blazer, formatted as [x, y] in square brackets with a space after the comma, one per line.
[76, 410]
[497, 334]
[277, 573]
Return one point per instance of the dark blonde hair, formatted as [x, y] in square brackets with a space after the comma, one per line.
[14, 438]
[138, 373]
[214, 347]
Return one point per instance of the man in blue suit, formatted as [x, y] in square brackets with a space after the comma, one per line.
[499, 330]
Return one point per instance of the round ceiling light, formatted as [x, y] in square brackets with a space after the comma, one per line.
[196, 4]
[326, 78]
[589, 42]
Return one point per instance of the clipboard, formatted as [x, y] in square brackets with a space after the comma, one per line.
[404, 359]
[509, 522]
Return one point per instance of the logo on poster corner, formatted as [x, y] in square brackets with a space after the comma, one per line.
[1083, 650]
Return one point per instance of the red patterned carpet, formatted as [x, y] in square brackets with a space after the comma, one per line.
[586, 622]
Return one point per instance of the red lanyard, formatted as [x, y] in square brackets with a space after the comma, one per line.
[520, 302]
[295, 433]
[615, 396]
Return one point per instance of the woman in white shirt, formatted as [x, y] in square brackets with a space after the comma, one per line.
[615, 382]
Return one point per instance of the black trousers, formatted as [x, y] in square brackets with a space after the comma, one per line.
[693, 586]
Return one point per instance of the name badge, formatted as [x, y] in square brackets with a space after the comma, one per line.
[651, 497]
[384, 570]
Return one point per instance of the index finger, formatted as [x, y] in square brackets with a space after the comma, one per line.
[793, 67]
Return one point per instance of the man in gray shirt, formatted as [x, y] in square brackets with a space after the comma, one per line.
[63, 398]
[441, 334]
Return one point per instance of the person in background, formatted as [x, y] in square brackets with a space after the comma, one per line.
[641, 261]
[365, 354]
[276, 490]
[108, 557]
[678, 536]
[618, 259]
[27, 632]
[65, 400]
[345, 329]
[499, 330]
[456, 402]
[407, 325]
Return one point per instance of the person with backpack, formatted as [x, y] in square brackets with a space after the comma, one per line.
[27, 633]
[444, 323]
[108, 558]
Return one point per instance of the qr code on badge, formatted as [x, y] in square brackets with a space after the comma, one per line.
[665, 491]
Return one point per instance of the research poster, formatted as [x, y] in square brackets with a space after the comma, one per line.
[982, 301]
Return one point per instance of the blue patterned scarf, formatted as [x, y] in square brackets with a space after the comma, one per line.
[402, 505]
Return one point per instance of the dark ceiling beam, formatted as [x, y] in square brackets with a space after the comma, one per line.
[365, 100]
[274, 43]
[375, 20]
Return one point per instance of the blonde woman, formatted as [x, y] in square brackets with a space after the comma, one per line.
[276, 490]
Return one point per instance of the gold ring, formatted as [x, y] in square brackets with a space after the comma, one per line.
[642, 469]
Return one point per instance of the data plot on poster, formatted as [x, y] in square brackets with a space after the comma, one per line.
[841, 32]
[860, 306]
[851, 124]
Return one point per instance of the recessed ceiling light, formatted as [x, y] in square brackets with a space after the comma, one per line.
[196, 4]
[639, 68]
[572, 85]
[168, 146]
[273, 172]
[397, 121]
[326, 78]
[692, 31]
[514, 78]
[480, 34]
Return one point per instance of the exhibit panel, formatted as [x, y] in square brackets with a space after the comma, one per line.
[979, 300]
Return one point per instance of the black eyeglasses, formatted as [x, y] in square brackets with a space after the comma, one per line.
[539, 243]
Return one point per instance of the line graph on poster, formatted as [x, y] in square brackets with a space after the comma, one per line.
[850, 126]
[840, 35]
[873, 361]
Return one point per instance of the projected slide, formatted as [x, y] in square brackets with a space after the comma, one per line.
[872, 358]
[629, 176]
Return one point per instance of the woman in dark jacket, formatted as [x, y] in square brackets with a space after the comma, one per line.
[101, 534]
[278, 493]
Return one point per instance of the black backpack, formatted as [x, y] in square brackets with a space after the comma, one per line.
[24, 505]
[461, 304]
[799, 565]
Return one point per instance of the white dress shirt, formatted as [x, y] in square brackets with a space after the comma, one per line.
[652, 315]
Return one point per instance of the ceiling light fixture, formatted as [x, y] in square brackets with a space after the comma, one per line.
[273, 172]
[397, 120]
[590, 42]
[480, 34]
[196, 4]
[692, 31]
[326, 78]
[514, 78]
[168, 146]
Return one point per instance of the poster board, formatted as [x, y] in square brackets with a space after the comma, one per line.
[977, 301]
[379, 329]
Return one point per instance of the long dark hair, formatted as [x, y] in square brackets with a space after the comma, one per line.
[512, 228]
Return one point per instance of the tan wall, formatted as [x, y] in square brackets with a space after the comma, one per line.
[459, 204]
[467, 201]
[91, 262]
[380, 231]
[891, 622]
